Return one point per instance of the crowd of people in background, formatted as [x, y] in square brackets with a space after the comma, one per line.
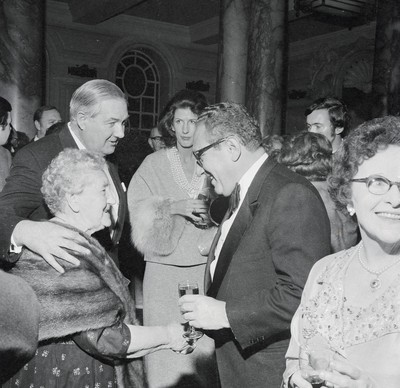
[302, 264]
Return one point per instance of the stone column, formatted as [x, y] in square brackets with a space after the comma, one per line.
[232, 51]
[21, 59]
[267, 64]
[394, 82]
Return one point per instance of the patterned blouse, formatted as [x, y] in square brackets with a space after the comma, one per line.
[367, 336]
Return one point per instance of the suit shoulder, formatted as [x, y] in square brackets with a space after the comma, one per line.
[285, 176]
[45, 148]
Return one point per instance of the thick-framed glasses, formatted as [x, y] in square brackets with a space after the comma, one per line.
[377, 184]
[199, 153]
[157, 138]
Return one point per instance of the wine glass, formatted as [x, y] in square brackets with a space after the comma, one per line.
[313, 360]
[190, 288]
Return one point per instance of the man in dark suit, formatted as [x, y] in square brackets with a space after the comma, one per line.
[262, 253]
[98, 114]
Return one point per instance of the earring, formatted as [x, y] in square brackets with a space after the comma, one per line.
[351, 210]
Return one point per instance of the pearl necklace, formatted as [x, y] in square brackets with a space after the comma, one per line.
[191, 188]
[375, 283]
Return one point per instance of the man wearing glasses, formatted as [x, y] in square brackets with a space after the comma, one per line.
[262, 253]
[156, 141]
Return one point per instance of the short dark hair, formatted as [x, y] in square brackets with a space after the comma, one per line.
[39, 111]
[308, 154]
[337, 110]
[361, 144]
[183, 99]
[5, 107]
[229, 118]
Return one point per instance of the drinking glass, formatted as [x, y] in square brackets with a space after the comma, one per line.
[190, 288]
[205, 222]
[313, 360]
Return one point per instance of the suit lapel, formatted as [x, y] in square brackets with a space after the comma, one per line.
[122, 201]
[238, 228]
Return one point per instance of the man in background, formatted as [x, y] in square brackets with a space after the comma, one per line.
[156, 141]
[328, 116]
[43, 118]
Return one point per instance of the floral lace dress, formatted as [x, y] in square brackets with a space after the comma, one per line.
[368, 337]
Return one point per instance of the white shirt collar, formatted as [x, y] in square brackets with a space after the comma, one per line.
[247, 178]
[76, 139]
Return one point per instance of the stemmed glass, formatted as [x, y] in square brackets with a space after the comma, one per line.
[190, 288]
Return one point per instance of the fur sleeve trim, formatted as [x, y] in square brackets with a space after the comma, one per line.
[154, 229]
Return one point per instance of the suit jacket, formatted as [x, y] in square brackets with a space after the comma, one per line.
[21, 197]
[280, 231]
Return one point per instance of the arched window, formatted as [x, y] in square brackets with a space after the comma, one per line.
[137, 75]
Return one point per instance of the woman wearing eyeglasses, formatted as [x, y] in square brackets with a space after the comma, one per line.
[168, 223]
[5, 128]
[351, 302]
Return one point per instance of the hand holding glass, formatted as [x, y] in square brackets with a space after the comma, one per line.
[314, 360]
[190, 288]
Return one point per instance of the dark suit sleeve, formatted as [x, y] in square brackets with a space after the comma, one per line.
[19, 324]
[20, 198]
[292, 234]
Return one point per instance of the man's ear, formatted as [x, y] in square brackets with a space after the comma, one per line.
[234, 148]
[81, 118]
[150, 143]
[339, 130]
[37, 125]
[73, 202]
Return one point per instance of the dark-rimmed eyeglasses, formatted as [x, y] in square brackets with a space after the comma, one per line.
[377, 184]
[199, 153]
[157, 138]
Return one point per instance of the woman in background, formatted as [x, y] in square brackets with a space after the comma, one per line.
[310, 155]
[351, 302]
[5, 130]
[164, 214]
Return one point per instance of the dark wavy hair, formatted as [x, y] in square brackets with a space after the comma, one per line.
[361, 144]
[184, 99]
[5, 107]
[229, 118]
[337, 110]
[308, 154]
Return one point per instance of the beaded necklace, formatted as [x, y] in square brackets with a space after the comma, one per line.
[375, 283]
[191, 188]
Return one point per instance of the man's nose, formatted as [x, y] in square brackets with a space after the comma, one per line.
[119, 130]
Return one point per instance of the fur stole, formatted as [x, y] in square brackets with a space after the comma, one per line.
[154, 229]
[90, 296]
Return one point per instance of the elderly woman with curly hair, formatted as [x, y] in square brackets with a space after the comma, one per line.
[350, 305]
[168, 223]
[87, 329]
[310, 155]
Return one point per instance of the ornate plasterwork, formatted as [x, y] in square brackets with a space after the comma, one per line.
[332, 68]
